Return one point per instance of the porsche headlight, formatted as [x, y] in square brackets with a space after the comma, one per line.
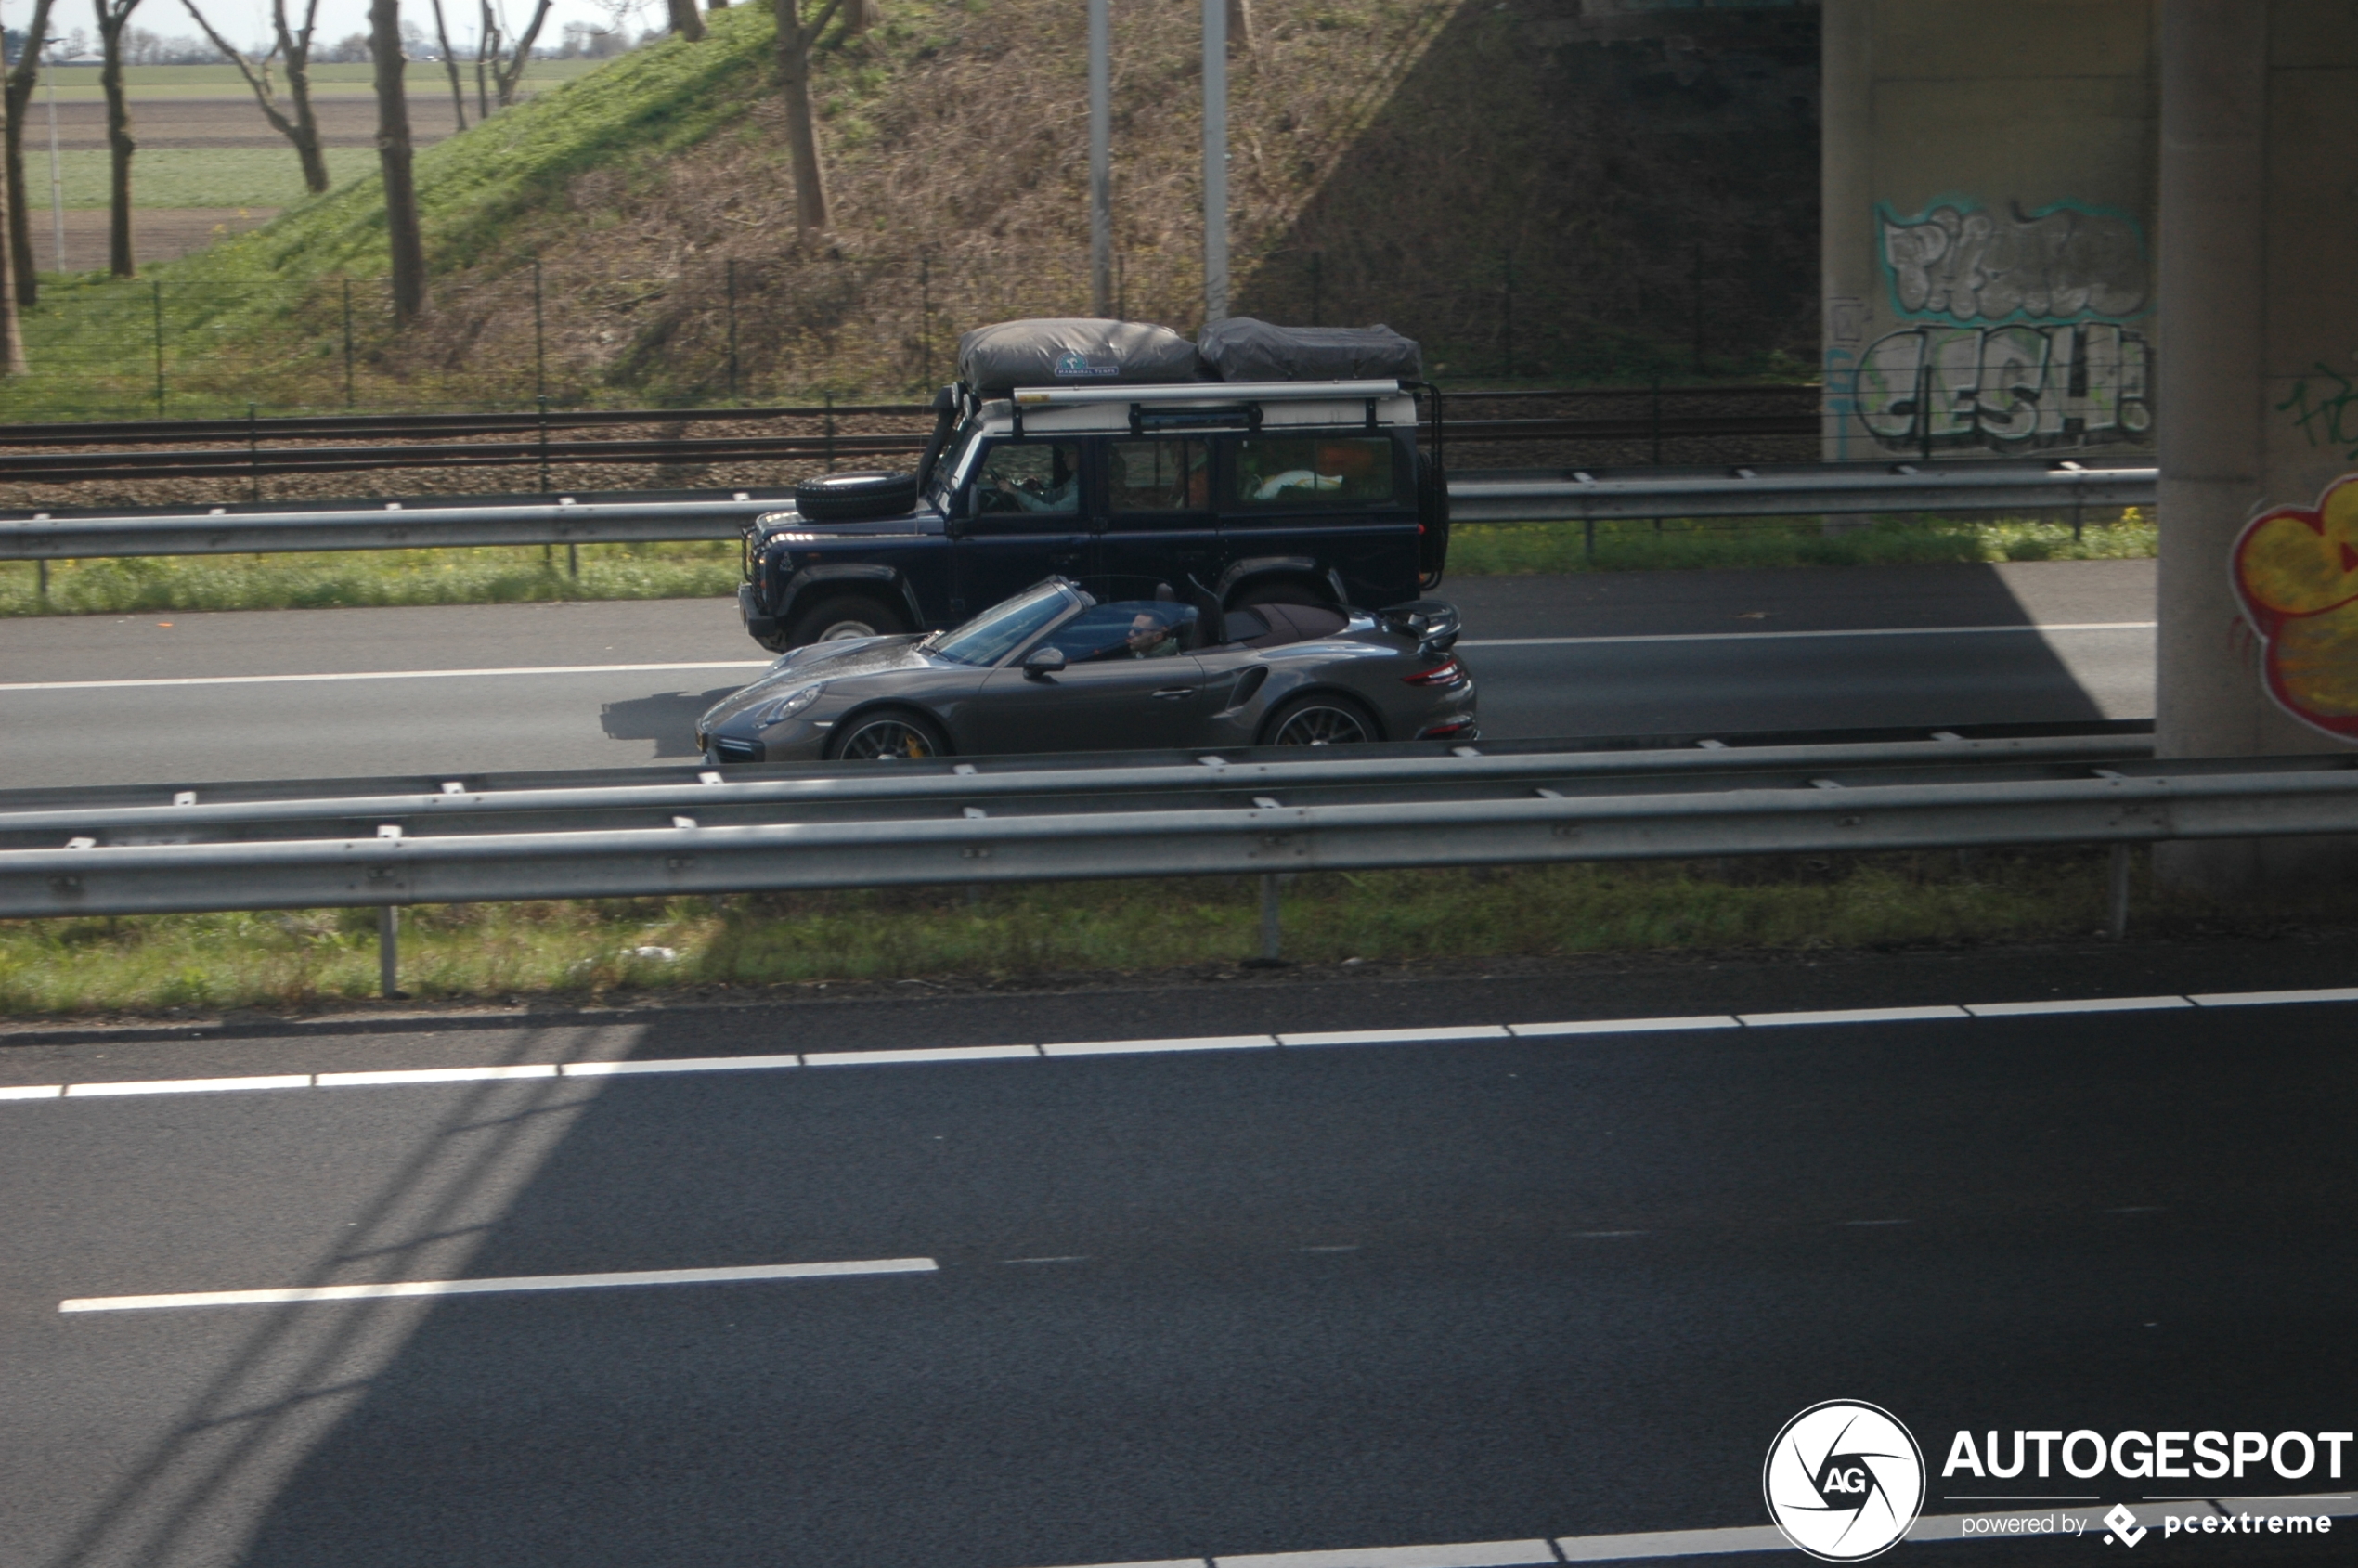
[786, 706]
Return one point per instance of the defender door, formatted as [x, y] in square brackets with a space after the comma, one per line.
[1024, 519]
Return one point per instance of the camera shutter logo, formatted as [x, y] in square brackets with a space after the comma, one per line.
[1844, 1481]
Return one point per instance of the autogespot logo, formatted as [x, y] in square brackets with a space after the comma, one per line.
[1844, 1481]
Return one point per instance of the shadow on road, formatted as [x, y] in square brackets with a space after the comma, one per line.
[668, 718]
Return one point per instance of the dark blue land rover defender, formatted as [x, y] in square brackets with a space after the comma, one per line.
[1107, 450]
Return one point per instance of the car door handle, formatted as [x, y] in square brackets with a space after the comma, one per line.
[1168, 692]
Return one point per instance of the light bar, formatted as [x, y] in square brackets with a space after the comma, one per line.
[1206, 392]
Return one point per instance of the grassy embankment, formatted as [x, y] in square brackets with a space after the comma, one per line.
[583, 951]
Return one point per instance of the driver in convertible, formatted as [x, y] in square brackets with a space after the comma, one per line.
[1151, 637]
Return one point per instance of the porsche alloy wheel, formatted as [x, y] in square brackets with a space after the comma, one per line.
[1320, 721]
[890, 737]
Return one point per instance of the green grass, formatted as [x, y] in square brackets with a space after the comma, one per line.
[500, 574]
[206, 176]
[585, 950]
[1484, 549]
[79, 84]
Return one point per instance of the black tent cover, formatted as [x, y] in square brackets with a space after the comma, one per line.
[1241, 349]
[1082, 351]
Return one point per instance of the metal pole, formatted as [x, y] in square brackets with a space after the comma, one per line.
[2116, 895]
[924, 320]
[254, 452]
[1216, 161]
[57, 180]
[1317, 284]
[348, 345]
[544, 443]
[389, 952]
[158, 288]
[830, 400]
[731, 273]
[1506, 322]
[1268, 878]
[539, 359]
[1100, 161]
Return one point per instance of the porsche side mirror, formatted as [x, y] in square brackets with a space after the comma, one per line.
[1041, 663]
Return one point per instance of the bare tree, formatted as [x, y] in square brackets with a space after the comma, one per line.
[686, 20]
[507, 70]
[16, 95]
[293, 45]
[11, 329]
[450, 63]
[403, 237]
[796, 40]
[113, 16]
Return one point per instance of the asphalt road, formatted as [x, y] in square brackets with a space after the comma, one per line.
[487, 688]
[1182, 1305]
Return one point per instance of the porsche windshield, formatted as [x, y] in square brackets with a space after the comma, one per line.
[1005, 626]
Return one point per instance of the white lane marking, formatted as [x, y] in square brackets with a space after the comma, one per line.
[1146, 1047]
[2271, 998]
[1672, 1543]
[660, 1065]
[383, 675]
[1392, 1036]
[679, 1064]
[1463, 1554]
[436, 1075]
[1799, 636]
[1682, 1543]
[924, 1053]
[1851, 1016]
[502, 1287]
[191, 1086]
[1622, 1025]
[2093, 1004]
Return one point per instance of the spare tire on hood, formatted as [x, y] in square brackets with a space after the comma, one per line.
[1074, 351]
[849, 498]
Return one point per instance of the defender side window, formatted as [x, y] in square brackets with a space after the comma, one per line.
[1171, 476]
[1290, 472]
[1020, 476]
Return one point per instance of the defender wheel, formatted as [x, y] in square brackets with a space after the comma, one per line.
[1320, 720]
[893, 735]
[842, 615]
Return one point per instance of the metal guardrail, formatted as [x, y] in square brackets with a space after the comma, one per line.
[1796, 489]
[624, 799]
[1273, 819]
[1790, 489]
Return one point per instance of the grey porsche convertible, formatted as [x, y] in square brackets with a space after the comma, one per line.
[1056, 669]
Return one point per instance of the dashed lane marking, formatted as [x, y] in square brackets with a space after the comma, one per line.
[303, 1293]
[1438, 1034]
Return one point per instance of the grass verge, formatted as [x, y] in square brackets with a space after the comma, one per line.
[583, 951]
[507, 576]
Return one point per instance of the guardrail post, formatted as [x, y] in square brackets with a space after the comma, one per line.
[1269, 917]
[158, 295]
[2117, 894]
[389, 952]
[348, 400]
[41, 582]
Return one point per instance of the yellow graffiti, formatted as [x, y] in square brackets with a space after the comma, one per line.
[2296, 570]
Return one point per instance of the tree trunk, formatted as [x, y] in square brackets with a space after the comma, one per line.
[402, 237]
[1239, 26]
[11, 331]
[113, 16]
[450, 63]
[686, 20]
[507, 73]
[802, 135]
[306, 134]
[18, 98]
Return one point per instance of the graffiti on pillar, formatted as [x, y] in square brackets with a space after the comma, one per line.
[2326, 412]
[2064, 263]
[2296, 570]
[2019, 331]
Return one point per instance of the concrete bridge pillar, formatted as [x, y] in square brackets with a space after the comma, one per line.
[2259, 397]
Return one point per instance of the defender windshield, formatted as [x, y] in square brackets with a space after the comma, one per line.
[950, 466]
[1005, 626]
